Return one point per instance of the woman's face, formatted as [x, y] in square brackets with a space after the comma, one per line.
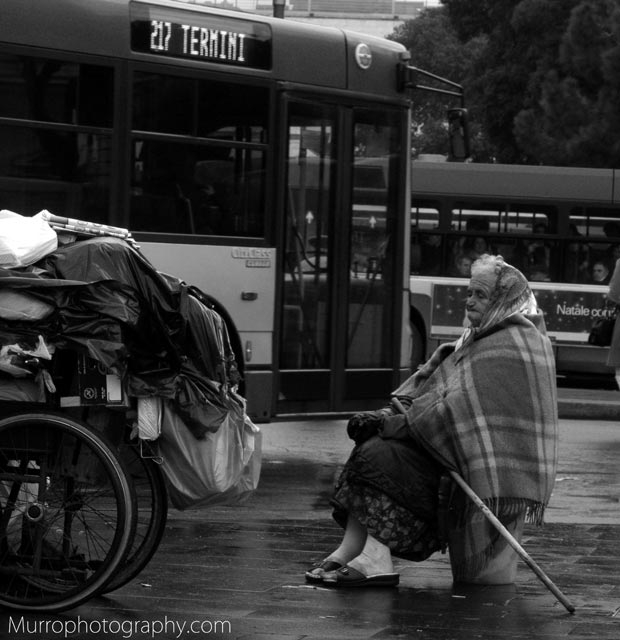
[479, 296]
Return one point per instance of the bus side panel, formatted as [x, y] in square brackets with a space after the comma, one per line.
[512, 181]
[309, 59]
[250, 304]
[383, 67]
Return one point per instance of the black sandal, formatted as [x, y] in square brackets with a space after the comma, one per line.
[349, 577]
[315, 575]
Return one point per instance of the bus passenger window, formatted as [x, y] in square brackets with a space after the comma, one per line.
[163, 103]
[427, 253]
[576, 257]
[194, 189]
[599, 230]
[538, 255]
[65, 169]
[424, 218]
[209, 180]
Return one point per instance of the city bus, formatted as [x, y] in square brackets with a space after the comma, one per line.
[559, 225]
[264, 161]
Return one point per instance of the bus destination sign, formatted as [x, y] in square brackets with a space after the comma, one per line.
[196, 36]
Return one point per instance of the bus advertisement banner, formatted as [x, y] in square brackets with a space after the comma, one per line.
[569, 313]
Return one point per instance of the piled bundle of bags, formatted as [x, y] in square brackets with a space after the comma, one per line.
[97, 295]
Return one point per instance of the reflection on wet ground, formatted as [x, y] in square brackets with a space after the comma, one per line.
[242, 567]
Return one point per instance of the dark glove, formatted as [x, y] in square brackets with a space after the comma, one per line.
[394, 428]
[363, 426]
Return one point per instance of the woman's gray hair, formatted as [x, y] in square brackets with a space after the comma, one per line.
[487, 263]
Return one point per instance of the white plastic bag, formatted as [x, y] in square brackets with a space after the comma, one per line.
[149, 417]
[222, 468]
[23, 239]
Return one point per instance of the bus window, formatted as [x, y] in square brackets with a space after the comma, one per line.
[465, 218]
[576, 260]
[596, 221]
[56, 91]
[427, 253]
[202, 108]
[424, 215]
[310, 217]
[522, 240]
[46, 166]
[424, 219]
[210, 179]
[598, 230]
[376, 164]
[369, 230]
[163, 103]
[502, 218]
[197, 189]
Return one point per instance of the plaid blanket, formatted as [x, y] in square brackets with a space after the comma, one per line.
[489, 411]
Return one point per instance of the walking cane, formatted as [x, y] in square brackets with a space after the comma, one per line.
[542, 576]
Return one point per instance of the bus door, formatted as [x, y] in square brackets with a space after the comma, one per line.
[337, 338]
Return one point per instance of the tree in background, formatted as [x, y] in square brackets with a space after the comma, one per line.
[435, 47]
[546, 83]
[574, 118]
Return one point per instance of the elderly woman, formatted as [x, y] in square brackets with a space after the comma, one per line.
[483, 406]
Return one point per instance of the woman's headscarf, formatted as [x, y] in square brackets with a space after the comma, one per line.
[510, 294]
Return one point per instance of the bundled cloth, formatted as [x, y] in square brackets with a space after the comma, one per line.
[153, 330]
[103, 299]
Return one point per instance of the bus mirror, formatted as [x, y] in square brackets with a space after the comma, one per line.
[458, 134]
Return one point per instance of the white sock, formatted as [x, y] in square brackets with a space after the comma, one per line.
[352, 542]
[375, 558]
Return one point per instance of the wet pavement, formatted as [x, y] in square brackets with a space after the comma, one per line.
[237, 572]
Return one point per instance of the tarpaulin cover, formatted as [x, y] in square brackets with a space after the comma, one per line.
[156, 332]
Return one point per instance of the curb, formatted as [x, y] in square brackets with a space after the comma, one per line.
[589, 404]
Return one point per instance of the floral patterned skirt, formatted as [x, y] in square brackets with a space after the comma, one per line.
[406, 535]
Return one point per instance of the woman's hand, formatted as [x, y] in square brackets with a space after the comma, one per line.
[363, 426]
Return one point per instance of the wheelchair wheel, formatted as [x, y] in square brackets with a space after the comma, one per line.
[152, 509]
[67, 512]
